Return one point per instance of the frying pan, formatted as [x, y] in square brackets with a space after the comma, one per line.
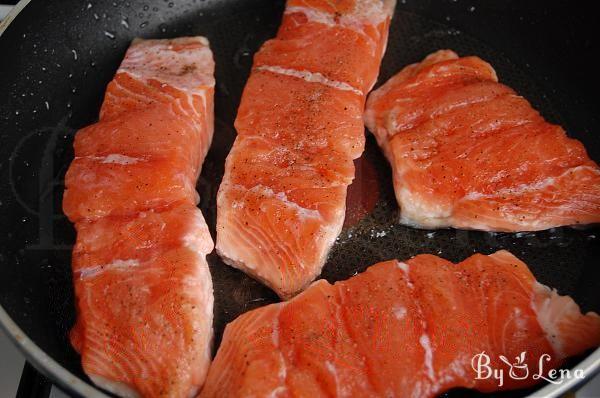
[58, 56]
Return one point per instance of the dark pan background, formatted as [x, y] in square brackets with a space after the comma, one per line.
[58, 56]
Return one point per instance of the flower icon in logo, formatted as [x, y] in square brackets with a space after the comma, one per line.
[517, 370]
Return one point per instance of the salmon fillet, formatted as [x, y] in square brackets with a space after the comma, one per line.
[468, 152]
[404, 329]
[136, 159]
[142, 284]
[281, 204]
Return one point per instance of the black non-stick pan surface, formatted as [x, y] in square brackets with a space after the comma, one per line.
[56, 58]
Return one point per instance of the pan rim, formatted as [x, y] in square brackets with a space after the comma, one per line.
[72, 383]
[43, 362]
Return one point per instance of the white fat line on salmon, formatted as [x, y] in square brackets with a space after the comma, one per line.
[197, 88]
[120, 159]
[332, 369]
[426, 344]
[115, 265]
[399, 312]
[114, 158]
[279, 390]
[424, 339]
[303, 211]
[532, 187]
[405, 268]
[282, 197]
[282, 373]
[311, 77]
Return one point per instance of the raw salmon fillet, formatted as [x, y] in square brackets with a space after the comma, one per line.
[145, 302]
[143, 288]
[468, 152]
[282, 200]
[402, 329]
[156, 124]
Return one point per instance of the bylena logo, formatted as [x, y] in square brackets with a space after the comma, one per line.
[519, 369]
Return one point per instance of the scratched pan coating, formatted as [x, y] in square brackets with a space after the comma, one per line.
[59, 56]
